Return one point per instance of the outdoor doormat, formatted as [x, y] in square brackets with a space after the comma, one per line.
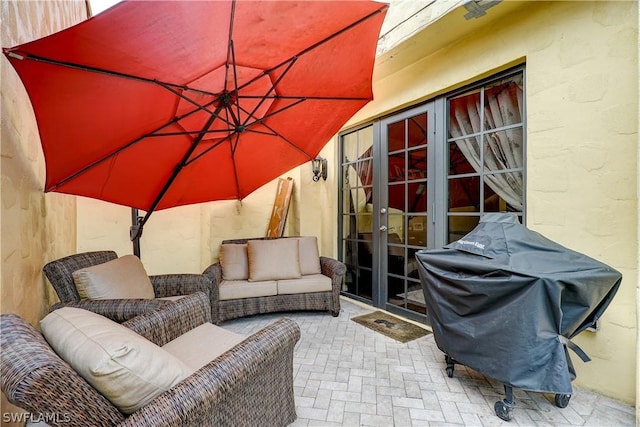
[391, 326]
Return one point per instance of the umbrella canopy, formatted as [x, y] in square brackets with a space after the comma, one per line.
[160, 104]
[505, 300]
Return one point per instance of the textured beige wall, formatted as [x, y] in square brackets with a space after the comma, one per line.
[582, 118]
[35, 228]
[170, 241]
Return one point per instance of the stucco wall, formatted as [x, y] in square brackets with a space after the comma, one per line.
[582, 108]
[35, 228]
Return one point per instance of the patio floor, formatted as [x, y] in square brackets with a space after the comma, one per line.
[348, 375]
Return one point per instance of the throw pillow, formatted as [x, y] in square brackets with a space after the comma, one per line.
[234, 261]
[124, 367]
[309, 255]
[273, 259]
[124, 277]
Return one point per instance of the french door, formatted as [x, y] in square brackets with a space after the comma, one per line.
[423, 178]
[387, 209]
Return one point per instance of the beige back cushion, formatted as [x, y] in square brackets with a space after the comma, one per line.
[124, 367]
[234, 261]
[124, 277]
[309, 255]
[273, 259]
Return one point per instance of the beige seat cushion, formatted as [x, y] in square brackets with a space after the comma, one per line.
[237, 289]
[201, 345]
[124, 367]
[309, 255]
[234, 261]
[124, 277]
[306, 284]
[273, 259]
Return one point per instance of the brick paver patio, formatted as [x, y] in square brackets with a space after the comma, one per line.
[348, 375]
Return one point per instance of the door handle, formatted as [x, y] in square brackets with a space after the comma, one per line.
[383, 228]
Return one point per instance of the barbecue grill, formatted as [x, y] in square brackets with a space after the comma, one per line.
[506, 301]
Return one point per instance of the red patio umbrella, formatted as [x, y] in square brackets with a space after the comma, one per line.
[166, 103]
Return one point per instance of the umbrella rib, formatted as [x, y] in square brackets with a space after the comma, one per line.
[230, 46]
[104, 158]
[133, 142]
[223, 140]
[187, 132]
[235, 83]
[287, 141]
[178, 168]
[262, 99]
[273, 113]
[261, 132]
[189, 100]
[316, 98]
[105, 71]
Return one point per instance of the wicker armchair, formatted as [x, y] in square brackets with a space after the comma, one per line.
[250, 385]
[59, 273]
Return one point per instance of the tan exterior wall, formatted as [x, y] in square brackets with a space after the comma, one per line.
[582, 135]
[35, 228]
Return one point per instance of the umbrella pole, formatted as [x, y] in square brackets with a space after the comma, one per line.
[135, 235]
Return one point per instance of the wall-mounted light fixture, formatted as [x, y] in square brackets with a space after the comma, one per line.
[319, 166]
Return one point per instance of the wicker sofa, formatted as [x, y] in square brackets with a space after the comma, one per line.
[241, 295]
[250, 384]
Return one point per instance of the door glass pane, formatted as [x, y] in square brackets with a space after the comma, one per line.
[417, 134]
[503, 150]
[365, 250]
[503, 102]
[365, 281]
[464, 194]
[412, 265]
[396, 198]
[346, 200]
[417, 231]
[417, 196]
[415, 297]
[464, 116]
[417, 164]
[395, 259]
[396, 167]
[503, 192]
[395, 231]
[459, 226]
[396, 290]
[349, 147]
[396, 134]
[461, 155]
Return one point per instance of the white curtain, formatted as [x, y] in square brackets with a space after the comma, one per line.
[503, 107]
